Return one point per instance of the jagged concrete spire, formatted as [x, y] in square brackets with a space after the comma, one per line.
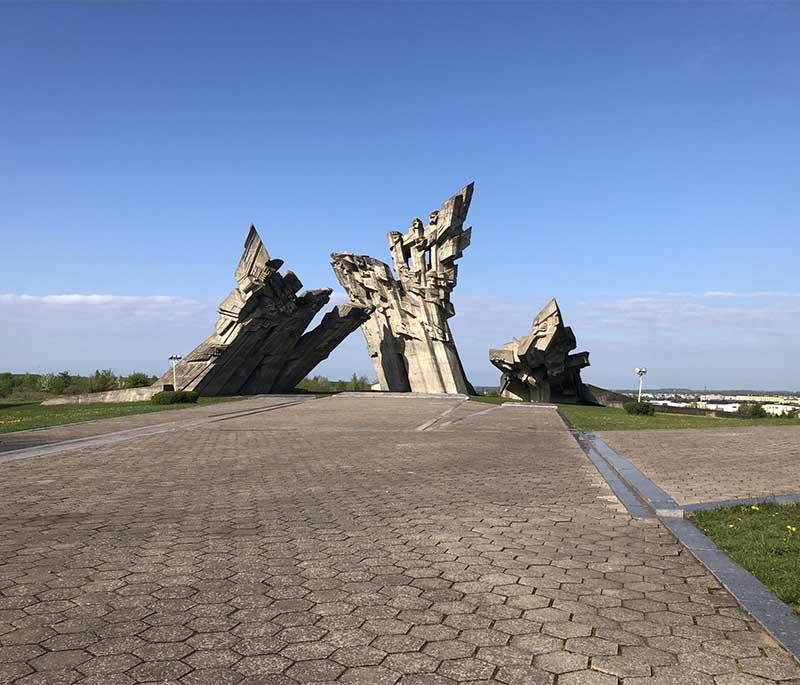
[408, 335]
[259, 344]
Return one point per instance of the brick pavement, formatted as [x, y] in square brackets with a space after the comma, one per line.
[89, 429]
[715, 464]
[335, 542]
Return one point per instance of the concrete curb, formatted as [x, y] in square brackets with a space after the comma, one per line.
[657, 499]
[530, 405]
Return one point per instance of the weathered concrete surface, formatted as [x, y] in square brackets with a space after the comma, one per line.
[539, 367]
[261, 323]
[124, 395]
[715, 464]
[408, 334]
[335, 541]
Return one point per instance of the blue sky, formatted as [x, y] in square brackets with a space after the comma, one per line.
[638, 161]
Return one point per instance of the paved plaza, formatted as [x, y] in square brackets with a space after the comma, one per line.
[715, 464]
[352, 540]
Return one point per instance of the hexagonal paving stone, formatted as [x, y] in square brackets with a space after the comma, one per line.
[315, 669]
[154, 671]
[262, 664]
[591, 646]
[361, 655]
[561, 662]
[587, 678]
[116, 663]
[60, 661]
[410, 662]
[212, 676]
[523, 675]
[212, 658]
[780, 668]
[398, 643]
[369, 675]
[466, 669]
[448, 649]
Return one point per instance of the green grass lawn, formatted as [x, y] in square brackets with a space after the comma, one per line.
[588, 418]
[763, 538]
[25, 415]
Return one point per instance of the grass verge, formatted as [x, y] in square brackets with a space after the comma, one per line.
[24, 416]
[765, 539]
[588, 418]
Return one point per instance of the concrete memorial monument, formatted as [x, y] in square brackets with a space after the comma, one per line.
[408, 335]
[539, 368]
[259, 344]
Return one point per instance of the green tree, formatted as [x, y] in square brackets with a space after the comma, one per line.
[46, 382]
[6, 384]
[60, 382]
[137, 379]
[102, 381]
[751, 410]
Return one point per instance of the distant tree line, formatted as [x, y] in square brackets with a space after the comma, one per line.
[34, 385]
[322, 384]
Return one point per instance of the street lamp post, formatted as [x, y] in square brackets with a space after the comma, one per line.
[175, 358]
[640, 372]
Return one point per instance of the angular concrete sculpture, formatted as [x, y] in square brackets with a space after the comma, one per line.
[259, 345]
[539, 368]
[408, 335]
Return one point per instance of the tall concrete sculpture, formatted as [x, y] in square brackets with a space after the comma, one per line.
[259, 344]
[408, 335]
[539, 368]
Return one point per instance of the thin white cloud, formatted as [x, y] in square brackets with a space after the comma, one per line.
[70, 299]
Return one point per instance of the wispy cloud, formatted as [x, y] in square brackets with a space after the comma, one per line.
[70, 299]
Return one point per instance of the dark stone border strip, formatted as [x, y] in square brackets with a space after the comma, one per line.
[778, 619]
[744, 501]
[656, 498]
[625, 494]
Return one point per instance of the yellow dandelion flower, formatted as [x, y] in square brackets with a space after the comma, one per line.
[755, 507]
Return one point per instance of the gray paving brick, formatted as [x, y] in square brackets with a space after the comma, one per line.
[333, 542]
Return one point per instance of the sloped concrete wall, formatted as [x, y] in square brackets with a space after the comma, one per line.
[126, 395]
